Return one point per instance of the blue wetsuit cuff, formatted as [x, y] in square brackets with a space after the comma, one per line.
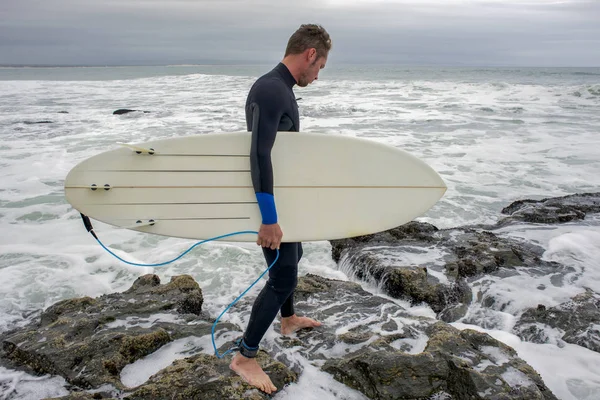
[266, 203]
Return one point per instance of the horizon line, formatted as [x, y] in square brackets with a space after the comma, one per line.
[248, 64]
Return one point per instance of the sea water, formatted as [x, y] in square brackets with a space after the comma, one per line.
[495, 135]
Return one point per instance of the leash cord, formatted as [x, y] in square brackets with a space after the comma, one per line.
[90, 229]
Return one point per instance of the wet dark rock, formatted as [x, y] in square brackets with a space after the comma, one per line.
[83, 396]
[469, 253]
[63, 112]
[482, 252]
[576, 321]
[350, 315]
[204, 377]
[454, 312]
[553, 210]
[367, 342]
[412, 231]
[122, 111]
[388, 364]
[37, 122]
[88, 341]
[412, 284]
[458, 364]
[380, 355]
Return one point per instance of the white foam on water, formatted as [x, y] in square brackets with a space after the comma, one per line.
[581, 249]
[515, 378]
[313, 384]
[140, 371]
[18, 385]
[495, 354]
[415, 346]
[147, 322]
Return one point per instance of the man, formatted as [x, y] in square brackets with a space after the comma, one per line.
[271, 107]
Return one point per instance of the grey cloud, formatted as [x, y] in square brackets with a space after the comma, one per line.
[409, 32]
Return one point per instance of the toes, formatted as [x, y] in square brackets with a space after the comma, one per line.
[261, 386]
[265, 387]
[258, 383]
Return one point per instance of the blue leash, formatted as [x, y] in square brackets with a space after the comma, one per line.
[91, 230]
[178, 257]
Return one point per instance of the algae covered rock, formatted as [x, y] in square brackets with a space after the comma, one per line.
[89, 341]
[205, 377]
[455, 364]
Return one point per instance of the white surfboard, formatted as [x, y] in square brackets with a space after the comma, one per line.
[325, 186]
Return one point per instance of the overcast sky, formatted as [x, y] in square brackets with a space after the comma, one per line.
[419, 32]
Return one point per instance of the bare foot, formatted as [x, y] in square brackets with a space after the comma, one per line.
[252, 373]
[292, 324]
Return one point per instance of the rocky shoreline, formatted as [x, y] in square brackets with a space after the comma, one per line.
[367, 342]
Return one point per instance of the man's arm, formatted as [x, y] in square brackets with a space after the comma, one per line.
[266, 114]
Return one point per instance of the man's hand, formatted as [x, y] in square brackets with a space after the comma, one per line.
[269, 236]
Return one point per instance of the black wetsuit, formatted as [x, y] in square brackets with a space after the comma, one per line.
[271, 107]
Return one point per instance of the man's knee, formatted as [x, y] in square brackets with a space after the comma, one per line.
[284, 283]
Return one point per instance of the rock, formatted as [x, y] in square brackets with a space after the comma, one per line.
[82, 396]
[370, 343]
[553, 210]
[198, 377]
[453, 313]
[482, 252]
[37, 122]
[353, 319]
[391, 375]
[412, 283]
[89, 341]
[144, 283]
[575, 321]
[459, 364]
[468, 253]
[122, 111]
[379, 352]
[205, 377]
[412, 231]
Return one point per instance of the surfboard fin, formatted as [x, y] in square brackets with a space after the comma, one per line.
[138, 150]
[139, 224]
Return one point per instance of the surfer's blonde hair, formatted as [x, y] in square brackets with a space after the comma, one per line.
[309, 36]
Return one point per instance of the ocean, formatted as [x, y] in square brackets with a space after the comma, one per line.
[495, 135]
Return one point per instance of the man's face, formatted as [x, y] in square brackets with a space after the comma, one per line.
[311, 73]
